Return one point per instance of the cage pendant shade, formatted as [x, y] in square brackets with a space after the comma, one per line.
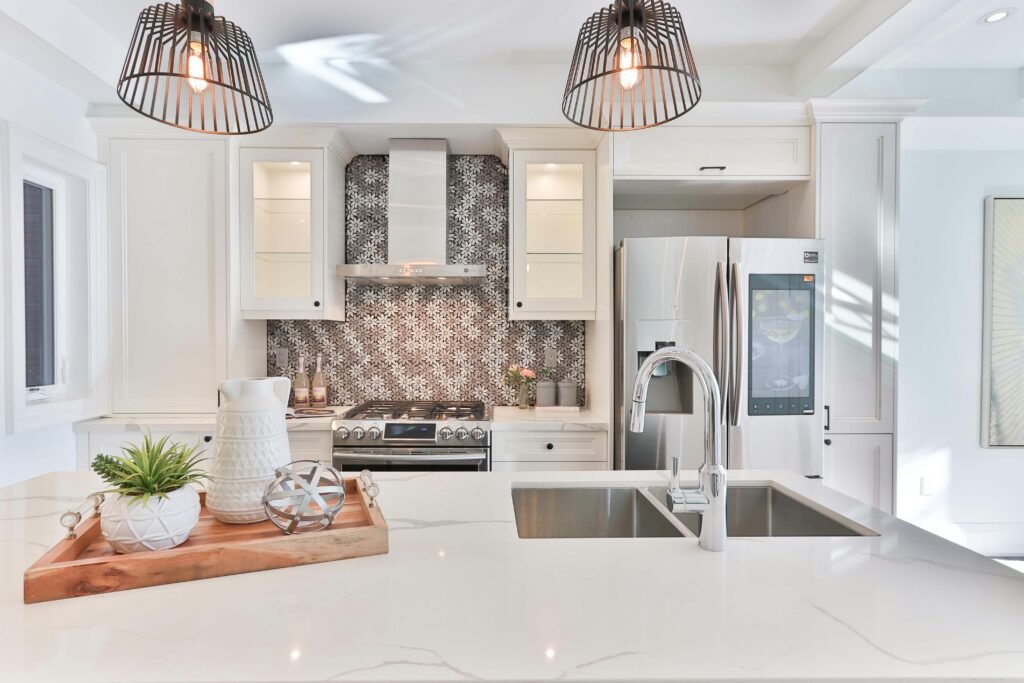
[632, 68]
[191, 69]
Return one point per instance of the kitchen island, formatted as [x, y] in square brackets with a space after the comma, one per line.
[461, 596]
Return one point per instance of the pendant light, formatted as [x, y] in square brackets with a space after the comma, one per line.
[191, 69]
[632, 68]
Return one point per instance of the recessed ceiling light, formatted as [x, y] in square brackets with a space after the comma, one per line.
[995, 16]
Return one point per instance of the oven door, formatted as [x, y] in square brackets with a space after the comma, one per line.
[411, 459]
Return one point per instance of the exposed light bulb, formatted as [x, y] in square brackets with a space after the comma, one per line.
[629, 61]
[196, 68]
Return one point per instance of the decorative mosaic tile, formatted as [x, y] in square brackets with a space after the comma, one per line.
[423, 343]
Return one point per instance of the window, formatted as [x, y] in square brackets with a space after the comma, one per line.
[54, 284]
[45, 288]
[40, 354]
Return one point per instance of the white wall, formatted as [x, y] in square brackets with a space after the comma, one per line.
[947, 482]
[677, 223]
[32, 102]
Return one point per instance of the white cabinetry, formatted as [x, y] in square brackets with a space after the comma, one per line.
[861, 466]
[553, 237]
[291, 225]
[714, 151]
[857, 209]
[538, 450]
[168, 274]
[858, 221]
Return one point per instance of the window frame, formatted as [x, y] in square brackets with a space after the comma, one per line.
[83, 388]
[38, 175]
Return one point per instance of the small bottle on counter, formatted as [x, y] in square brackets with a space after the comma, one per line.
[318, 394]
[300, 391]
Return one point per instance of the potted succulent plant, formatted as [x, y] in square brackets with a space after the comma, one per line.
[151, 503]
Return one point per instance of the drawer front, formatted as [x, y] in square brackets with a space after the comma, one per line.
[549, 447]
[311, 446]
[548, 466]
[704, 151]
[110, 443]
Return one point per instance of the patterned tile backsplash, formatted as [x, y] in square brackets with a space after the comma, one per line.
[420, 343]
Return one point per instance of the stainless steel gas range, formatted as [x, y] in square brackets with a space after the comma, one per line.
[414, 436]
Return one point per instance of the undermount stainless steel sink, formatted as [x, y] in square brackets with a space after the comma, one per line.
[758, 511]
[592, 512]
[626, 512]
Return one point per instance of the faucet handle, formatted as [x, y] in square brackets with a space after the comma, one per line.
[688, 500]
[677, 462]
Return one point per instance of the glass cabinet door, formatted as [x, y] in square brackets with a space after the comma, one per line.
[282, 229]
[553, 240]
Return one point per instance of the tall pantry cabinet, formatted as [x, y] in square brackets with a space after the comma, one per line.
[174, 308]
[857, 216]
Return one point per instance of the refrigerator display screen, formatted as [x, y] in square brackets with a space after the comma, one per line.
[780, 343]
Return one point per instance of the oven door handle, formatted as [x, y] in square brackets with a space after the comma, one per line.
[354, 456]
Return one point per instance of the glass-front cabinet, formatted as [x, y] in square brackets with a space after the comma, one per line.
[553, 235]
[284, 242]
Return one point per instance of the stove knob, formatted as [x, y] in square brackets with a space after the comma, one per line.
[477, 433]
[373, 433]
[342, 433]
[358, 433]
[445, 433]
[461, 433]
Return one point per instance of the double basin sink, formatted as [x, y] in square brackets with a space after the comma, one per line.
[641, 512]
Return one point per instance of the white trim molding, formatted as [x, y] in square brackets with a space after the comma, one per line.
[862, 111]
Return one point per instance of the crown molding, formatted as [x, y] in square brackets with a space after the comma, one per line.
[876, 110]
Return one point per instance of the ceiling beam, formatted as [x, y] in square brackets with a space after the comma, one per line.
[58, 40]
[860, 41]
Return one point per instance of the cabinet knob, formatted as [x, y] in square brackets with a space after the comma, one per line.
[519, 304]
[317, 304]
[207, 438]
[551, 446]
[828, 442]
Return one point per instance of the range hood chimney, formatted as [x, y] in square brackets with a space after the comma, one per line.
[417, 222]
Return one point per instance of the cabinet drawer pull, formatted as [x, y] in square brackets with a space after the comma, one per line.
[207, 438]
[316, 304]
[828, 442]
[551, 446]
[712, 168]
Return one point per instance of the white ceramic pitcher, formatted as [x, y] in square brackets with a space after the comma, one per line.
[251, 442]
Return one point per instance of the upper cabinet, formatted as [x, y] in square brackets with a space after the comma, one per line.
[714, 151]
[291, 233]
[552, 245]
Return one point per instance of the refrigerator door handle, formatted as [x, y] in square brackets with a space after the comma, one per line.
[720, 344]
[736, 378]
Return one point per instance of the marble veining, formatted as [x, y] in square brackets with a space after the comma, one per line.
[461, 597]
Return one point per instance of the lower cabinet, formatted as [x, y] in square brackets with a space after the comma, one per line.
[861, 466]
[311, 445]
[547, 451]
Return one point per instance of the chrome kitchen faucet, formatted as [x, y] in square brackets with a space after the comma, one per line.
[708, 498]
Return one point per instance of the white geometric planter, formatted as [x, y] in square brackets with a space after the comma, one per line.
[161, 523]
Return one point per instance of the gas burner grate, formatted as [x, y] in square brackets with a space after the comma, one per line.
[418, 410]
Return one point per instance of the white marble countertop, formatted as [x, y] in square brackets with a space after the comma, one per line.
[513, 419]
[460, 596]
[505, 418]
[197, 422]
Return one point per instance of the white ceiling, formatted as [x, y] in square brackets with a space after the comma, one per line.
[960, 40]
[505, 31]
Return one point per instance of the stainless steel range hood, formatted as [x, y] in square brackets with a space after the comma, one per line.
[417, 222]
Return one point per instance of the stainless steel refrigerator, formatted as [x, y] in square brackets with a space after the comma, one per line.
[753, 308]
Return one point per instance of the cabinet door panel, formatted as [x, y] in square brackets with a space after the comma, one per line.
[168, 274]
[861, 466]
[696, 151]
[553, 264]
[281, 222]
[858, 220]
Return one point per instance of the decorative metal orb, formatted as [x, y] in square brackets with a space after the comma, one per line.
[305, 496]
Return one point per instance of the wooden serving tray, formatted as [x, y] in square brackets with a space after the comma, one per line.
[87, 565]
